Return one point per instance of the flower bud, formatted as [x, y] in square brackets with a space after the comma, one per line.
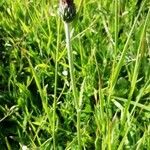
[67, 10]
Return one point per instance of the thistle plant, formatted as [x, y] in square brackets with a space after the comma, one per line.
[67, 12]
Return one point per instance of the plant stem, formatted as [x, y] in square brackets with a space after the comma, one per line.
[55, 88]
[74, 89]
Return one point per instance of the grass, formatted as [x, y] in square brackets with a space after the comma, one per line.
[111, 60]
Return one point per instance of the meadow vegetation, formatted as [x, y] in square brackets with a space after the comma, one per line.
[111, 58]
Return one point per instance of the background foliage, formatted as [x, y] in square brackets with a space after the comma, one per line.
[111, 45]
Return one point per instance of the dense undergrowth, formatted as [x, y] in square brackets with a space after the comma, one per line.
[111, 46]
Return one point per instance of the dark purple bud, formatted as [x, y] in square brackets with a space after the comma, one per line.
[67, 10]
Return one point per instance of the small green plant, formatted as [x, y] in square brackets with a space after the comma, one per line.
[68, 11]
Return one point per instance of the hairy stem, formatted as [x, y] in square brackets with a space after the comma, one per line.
[74, 89]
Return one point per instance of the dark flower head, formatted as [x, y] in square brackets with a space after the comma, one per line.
[67, 10]
[68, 2]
